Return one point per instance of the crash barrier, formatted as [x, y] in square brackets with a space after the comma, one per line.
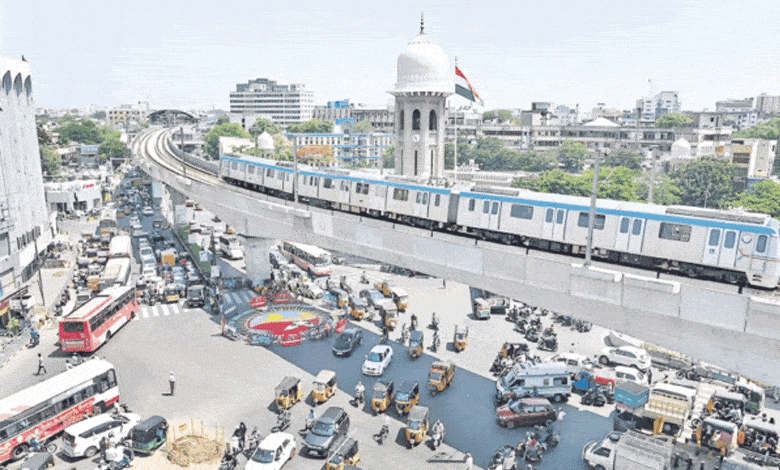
[193, 160]
[193, 443]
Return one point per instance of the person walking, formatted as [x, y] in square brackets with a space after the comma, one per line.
[650, 376]
[172, 382]
[443, 283]
[41, 367]
[469, 459]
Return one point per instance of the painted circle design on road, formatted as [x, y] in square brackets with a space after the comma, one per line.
[282, 320]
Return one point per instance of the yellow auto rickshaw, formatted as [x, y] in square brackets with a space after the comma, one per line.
[400, 297]
[418, 424]
[288, 392]
[416, 341]
[324, 386]
[461, 338]
[385, 287]
[407, 396]
[357, 307]
[171, 293]
[341, 296]
[346, 454]
[389, 313]
[440, 376]
[383, 395]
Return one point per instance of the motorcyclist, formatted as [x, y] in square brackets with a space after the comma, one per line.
[414, 322]
[434, 321]
[436, 340]
[310, 419]
[360, 391]
[438, 433]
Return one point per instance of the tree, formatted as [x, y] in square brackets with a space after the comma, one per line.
[363, 127]
[762, 197]
[315, 126]
[557, 182]
[222, 120]
[706, 183]
[264, 125]
[83, 132]
[220, 130]
[50, 160]
[572, 155]
[536, 161]
[113, 148]
[632, 160]
[283, 148]
[388, 159]
[618, 184]
[449, 155]
[674, 120]
[500, 115]
[665, 191]
[766, 130]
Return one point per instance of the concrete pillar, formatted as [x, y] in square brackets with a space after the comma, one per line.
[179, 201]
[258, 266]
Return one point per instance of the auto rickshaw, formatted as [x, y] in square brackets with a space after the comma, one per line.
[385, 287]
[347, 454]
[149, 434]
[342, 298]
[357, 307]
[440, 376]
[416, 340]
[461, 338]
[400, 297]
[325, 386]
[171, 293]
[418, 424]
[383, 395]
[389, 313]
[481, 308]
[407, 396]
[288, 392]
[725, 399]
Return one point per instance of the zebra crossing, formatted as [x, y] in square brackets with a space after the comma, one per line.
[163, 310]
[233, 302]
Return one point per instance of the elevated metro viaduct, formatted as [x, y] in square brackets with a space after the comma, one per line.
[736, 331]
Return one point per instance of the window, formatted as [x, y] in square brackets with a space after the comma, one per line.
[416, 120]
[637, 228]
[559, 217]
[522, 212]
[327, 183]
[419, 197]
[401, 121]
[560, 381]
[472, 203]
[7, 82]
[432, 121]
[364, 189]
[486, 207]
[280, 175]
[624, 225]
[549, 216]
[251, 170]
[358, 188]
[761, 244]
[728, 241]
[598, 222]
[494, 210]
[601, 452]
[546, 382]
[234, 165]
[714, 237]
[436, 201]
[400, 194]
[269, 172]
[425, 198]
[676, 232]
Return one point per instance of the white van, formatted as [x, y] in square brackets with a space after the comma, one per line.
[83, 438]
[547, 379]
[574, 362]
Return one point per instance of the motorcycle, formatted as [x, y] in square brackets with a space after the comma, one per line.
[521, 326]
[404, 334]
[253, 441]
[548, 343]
[228, 461]
[35, 339]
[436, 342]
[503, 459]
[536, 323]
[437, 437]
[282, 421]
[582, 326]
[530, 449]
[567, 320]
[532, 335]
[595, 397]
[360, 392]
[382, 434]
[545, 434]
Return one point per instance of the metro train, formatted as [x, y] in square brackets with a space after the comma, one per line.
[728, 246]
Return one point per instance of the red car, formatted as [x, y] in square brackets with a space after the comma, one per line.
[525, 412]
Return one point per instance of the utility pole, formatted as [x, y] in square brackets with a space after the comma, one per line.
[592, 215]
[295, 168]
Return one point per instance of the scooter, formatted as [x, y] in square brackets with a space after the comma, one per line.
[382, 434]
[228, 461]
[35, 339]
[532, 335]
[437, 438]
[282, 421]
[595, 397]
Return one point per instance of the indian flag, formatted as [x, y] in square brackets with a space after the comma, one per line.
[467, 91]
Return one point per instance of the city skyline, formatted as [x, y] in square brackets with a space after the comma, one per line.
[96, 53]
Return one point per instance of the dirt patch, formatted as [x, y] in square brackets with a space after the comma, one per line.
[188, 450]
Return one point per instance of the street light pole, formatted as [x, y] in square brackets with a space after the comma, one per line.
[592, 214]
[295, 168]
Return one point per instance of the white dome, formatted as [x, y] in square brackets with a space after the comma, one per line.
[681, 148]
[265, 141]
[424, 67]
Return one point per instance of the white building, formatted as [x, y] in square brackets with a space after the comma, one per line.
[766, 104]
[69, 196]
[650, 109]
[424, 82]
[284, 104]
[127, 116]
[740, 112]
[24, 220]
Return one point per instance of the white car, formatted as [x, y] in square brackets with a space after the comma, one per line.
[273, 452]
[631, 374]
[377, 360]
[137, 227]
[574, 362]
[83, 438]
[625, 356]
[148, 211]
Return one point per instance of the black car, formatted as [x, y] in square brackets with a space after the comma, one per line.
[347, 341]
[327, 432]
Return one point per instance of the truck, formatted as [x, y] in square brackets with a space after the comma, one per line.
[629, 451]
[662, 410]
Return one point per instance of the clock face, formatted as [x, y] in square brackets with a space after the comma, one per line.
[416, 138]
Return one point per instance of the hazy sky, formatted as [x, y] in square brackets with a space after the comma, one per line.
[191, 54]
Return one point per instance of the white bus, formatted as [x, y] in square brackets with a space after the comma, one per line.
[120, 247]
[309, 258]
[229, 246]
[116, 272]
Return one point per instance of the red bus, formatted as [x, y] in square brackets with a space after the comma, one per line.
[312, 259]
[47, 408]
[88, 327]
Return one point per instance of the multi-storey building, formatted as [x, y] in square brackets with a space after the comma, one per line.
[345, 146]
[766, 104]
[127, 116]
[650, 109]
[740, 112]
[25, 228]
[344, 113]
[284, 104]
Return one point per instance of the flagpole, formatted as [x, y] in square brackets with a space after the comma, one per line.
[455, 158]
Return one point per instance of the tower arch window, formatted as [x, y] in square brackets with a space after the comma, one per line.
[416, 120]
[401, 121]
[433, 123]
[7, 82]
[18, 84]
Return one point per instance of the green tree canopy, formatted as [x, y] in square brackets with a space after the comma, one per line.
[113, 148]
[501, 115]
[572, 155]
[264, 125]
[624, 158]
[84, 131]
[222, 120]
[50, 161]
[557, 182]
[706, 183]
[388, 159]
[220, 130]
[315, 126]
[674, 120]
[363, 127]
[762, 197]
[766, 130]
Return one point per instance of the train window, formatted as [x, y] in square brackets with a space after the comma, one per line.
[327, 183]
[486, 207]
[358, 188]
[251, 170]
[281, 175]
[729, 240]
[234, 165]
[559, 217]
[419, 197]
[637, 228]
[548, 218]
[242, 166]
[472, 203]
[269, 172]
[494, 210]
[400, 194]
[598, 222]
[425, 198]
[624, 225]
[714, 237]
[676, 232]
[522, 212]
[761, 244]
[437, 200]
[365, 188]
